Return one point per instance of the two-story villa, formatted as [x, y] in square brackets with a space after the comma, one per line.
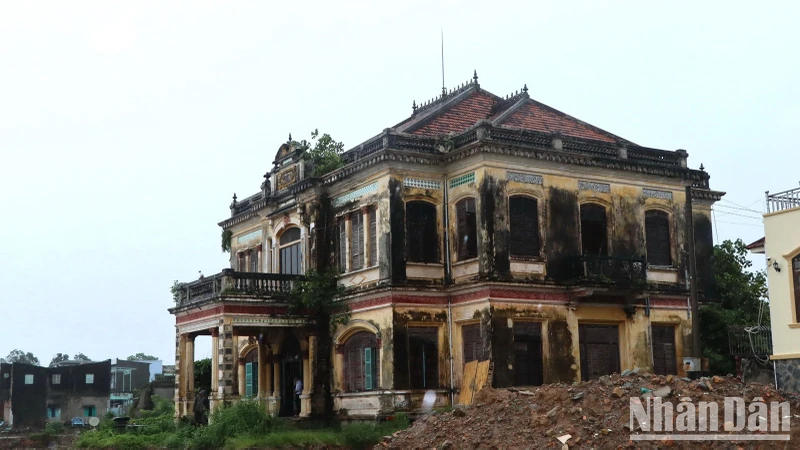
[481, 227]
[781, 245]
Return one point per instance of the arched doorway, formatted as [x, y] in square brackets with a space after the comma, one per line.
[291, 367]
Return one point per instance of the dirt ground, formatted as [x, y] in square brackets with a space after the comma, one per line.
[594, 414]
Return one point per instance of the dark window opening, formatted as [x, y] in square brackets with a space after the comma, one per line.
[524, 225]
[356, 240]
[423, 357]
[467, 229]
[341, 250]
[242, 263]
[594, 230]
[361, 362]
[659, 250]
[290, 255]
[254, 261]
[422, 240]
[472, 345]
[796, 276]
[528, 363]
[599, 347]
[664, 362]
[373, 236]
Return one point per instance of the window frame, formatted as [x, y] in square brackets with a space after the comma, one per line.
[29, 379]
[664, 219]
[282, 246]
[794, 265]
[356, 241]
[464, 251]
[55, 378]
[423, 257]
[418, 333]
[89, 378]
[606, 248]
[512, 248]
[358, 345]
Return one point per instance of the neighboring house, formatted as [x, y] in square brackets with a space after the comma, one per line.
[781, 246]
[481, 227]
[126, 377]
[35, 395]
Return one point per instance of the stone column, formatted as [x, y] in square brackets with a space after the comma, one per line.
[262, 371]
[214, 362]
[308, 382]
[190, 367]
[276, 381]
[241, 377]
[338, 368]
[180, 391]
[227, 362]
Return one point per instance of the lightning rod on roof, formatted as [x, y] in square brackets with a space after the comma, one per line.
[444, 91]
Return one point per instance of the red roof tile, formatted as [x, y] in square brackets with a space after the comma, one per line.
[757, 244]
[537, 117]
[460, 116]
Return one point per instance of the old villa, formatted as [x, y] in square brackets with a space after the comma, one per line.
[481, 227]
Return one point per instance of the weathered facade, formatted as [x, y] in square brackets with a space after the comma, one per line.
[482, 227]
[33, 395]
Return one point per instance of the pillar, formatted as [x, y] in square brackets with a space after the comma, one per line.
[180, 392]
[214, 361]
[262, 370]
[338, 367]
[227, 361]
[189, 367]
[241, 377]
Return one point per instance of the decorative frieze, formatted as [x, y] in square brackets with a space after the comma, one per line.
[421, 183]
[251, 236]
[338, 201]
[655, 193]
[527, 178]
[287, 178]
[594, 186]
[463, 179]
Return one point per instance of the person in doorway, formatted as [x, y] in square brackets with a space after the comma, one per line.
[201, 407]
[298, 389]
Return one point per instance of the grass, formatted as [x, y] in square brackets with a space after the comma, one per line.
[243, 425]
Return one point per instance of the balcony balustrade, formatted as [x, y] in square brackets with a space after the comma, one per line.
[230, 282]
[610, 270]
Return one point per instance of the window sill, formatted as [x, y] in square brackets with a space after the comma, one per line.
[358, 271]
[465, 261]
[794, 325]
[427, 264]
[527, 258]
[669, 268]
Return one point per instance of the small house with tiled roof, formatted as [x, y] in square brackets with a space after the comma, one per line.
[480, 228]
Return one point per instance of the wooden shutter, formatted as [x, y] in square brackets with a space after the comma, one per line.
[524, 224]
[467, 229]
[422, 243]
[373, 236]
[528, 361]
[357, 240]
[254, 261]
[342, 247]
[664, 358]
[659, 250]
[367, 368]
[248, 379]
[472, 346]
[424, 357]
[360, 359]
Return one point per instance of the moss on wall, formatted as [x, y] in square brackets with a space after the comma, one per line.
[562, 239]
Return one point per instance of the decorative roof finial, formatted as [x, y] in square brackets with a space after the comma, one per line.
[414, 106]
[444, 92]
[475, 76]
[290, 138]
[702, 169]
[525, 88]
[234, 198]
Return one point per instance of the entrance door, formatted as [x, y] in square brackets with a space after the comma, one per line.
[528, 366]
[291, 367]
[599, 347]
[664, 362]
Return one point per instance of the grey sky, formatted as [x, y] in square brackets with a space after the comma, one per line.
[125, 129]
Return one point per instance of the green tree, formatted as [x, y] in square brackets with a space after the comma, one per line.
[59, 357]
[81, 357]
[18, 356]
[324, 152]
[142, 357]
[743, 301]
[202, 375]
[316, 295]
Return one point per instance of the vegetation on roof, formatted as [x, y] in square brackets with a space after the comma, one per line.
[324, 153]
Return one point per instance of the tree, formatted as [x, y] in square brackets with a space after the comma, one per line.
[58, 358]
[316, 295]
[325, 155]
[743, 295]
[81, 357]
[18, 356]
[202, 375]
[142, 357]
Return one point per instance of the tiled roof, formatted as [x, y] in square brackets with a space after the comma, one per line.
[534, 116]
[459, 117]
[757, 244]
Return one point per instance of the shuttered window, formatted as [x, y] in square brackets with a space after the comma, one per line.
[373, 236]
[594, 230]
[664, 359]
[341, 250]
[360, 362]
[659, 250]
[467, 229]
[423, 357]
[241, 265]
[472, 345]
[422, 237]
[524, 224]
[528, 362]
[796, 276]
[254, 261]
[356, 240]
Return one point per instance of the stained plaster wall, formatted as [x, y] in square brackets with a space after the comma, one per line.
[782, 245]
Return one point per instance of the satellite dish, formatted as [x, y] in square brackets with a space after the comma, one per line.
[94, 421]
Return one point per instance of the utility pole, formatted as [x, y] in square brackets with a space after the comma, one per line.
[696, 351]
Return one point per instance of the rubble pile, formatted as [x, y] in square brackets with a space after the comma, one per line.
[593, 414]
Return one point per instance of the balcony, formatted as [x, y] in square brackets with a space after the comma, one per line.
[230, 282]
[783, 200]
[610, 270]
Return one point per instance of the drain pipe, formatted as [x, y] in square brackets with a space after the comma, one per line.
[447, 282]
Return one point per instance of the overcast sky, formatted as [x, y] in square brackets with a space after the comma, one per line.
[125, 129]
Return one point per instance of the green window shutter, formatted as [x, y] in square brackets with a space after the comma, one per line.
[367, 368]
[249, 379]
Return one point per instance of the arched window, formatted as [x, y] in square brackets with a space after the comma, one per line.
[290, 252]
[361, 362]
[659, 250]
[524, 226]
[467, 229]
[594, 230]
[422, 237]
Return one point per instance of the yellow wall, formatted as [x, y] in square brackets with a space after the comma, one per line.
[782, 231]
